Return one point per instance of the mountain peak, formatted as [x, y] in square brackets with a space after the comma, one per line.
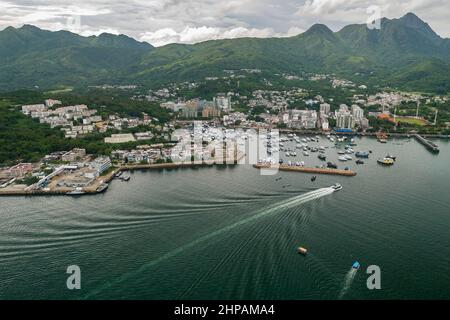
[121, 40]
[29, 27]
[411, 20]
[411, 17]
[319, 29]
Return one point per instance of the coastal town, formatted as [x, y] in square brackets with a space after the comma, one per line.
[216, 131]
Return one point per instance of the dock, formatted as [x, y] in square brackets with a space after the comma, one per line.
[326, 171]
[427, 143]
[93, 189]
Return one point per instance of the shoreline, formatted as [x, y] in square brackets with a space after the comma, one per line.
[112, 175]
[95, 189]
[361, 134]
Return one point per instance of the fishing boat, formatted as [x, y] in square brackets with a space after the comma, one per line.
[386, 161]
[356, 265]
[322, 157]
[102, 188]
[337, 187]
[391, 157]
[382, 137]
[332, 165]
[302, 251]
[126, 179]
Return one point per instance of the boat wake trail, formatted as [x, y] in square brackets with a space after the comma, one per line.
[348, 282]
[285, 204]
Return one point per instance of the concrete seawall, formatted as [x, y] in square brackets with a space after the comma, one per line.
[428, 144]
[336, 172]
[91, 190]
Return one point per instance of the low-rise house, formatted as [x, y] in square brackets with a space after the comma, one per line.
[74, 155]
[144, 135]
[50, 102]
[28, 109]
[20, 170]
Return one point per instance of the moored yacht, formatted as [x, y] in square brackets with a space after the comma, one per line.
[386, 161]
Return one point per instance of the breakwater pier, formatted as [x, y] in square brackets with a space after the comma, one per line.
[427, 143]
[327, 171]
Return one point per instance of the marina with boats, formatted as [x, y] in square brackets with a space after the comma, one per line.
[336, 155]
[145, 207]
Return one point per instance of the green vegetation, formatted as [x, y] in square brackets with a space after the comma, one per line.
[23, 139]
[109, 102]
[412, 121]
[405, 53]
[28, 180]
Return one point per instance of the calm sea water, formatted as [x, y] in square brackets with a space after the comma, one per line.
[230, 233]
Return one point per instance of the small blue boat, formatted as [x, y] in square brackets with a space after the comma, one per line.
[356, 265]
[362, 154]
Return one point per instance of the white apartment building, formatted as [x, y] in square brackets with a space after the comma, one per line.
[325, 109]
[223, 102]
[101, 164]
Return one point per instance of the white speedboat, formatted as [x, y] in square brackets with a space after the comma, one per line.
[337, 187]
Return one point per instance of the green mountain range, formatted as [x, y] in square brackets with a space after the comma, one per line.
[404, 53]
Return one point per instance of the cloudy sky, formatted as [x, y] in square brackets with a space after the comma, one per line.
[160, 22]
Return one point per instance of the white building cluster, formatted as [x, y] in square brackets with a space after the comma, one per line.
[143, 154]
[74, 120]
[300, 119]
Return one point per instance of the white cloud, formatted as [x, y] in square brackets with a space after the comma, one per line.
[194, 35]
[166, 21]
[342, 12]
